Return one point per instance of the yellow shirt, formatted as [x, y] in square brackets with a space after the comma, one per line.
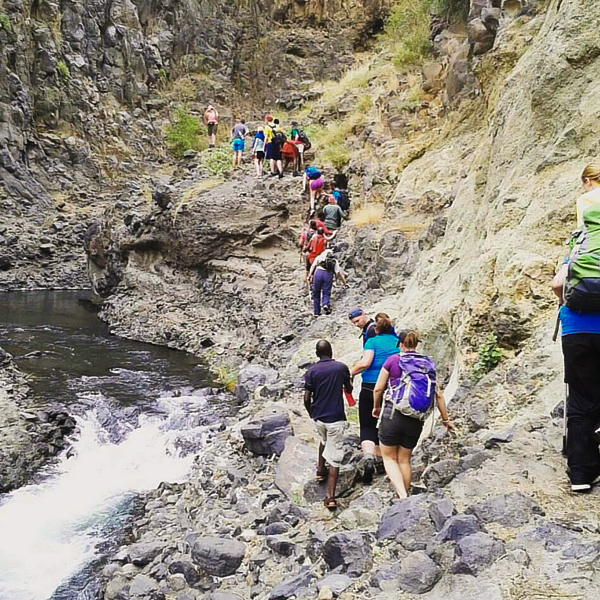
[585, 201]
[268, 134]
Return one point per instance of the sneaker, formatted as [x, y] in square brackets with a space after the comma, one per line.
[581, 488]
[327, 310]
[369, 471]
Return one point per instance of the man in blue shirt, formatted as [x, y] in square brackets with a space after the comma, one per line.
[324, 385]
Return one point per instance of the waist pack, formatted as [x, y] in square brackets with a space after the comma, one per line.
[582, 285]
[413, 394]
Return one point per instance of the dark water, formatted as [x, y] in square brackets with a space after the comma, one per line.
[57, 338]
[143, 413]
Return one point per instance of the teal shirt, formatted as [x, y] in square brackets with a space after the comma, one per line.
[384, 346]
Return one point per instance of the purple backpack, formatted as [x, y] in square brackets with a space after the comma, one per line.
[414, 393]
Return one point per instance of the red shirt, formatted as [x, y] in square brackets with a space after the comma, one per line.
[321, 224]
[316, 245]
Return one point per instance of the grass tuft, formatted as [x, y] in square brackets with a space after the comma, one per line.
[371, 214]
[184, 134]
[226, 378]
[63, 70]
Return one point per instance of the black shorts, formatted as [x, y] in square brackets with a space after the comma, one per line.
[260, 155]
[212, 128]
[368, 423]
[399, 430]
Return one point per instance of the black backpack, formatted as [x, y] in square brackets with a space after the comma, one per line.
[302, 137]
[344, 200]
[329, 263]
[279, 138]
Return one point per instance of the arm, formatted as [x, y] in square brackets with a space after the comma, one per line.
[348, 382]
[364, 363]
[380, 386]
[311, 273]
[308, 401]
[341, 276]
[558, 283]
[441, 404]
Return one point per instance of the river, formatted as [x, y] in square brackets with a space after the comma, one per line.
[142, 413]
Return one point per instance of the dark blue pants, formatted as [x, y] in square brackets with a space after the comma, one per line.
[322, 283]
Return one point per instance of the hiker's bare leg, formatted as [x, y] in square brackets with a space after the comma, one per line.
[404, 455]
[280, 167]
[321, 462]
[333, 478]
[392, 468]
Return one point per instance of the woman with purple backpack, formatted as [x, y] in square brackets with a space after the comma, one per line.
[411, 396]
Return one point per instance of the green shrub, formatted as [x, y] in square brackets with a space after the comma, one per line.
[489, 357]
[226, 378]
[336, 155]
[183, 134]
[218, 162]
[5, 22]
[63, 70]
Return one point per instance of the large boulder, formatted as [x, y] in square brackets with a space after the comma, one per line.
[290, 587]
[418, 573]
[350, 551]
[216, 556]
[408, 523]
[267, 434]
[251, 377]
[457, 528]
[476, 552]
[510, 510]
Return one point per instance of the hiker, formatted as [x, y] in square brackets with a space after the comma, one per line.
[258, 151]
[269, 131]
[289, 153]
[238, 134]
[376, 351]
[211, 120]
[316, 246]
[314, 182]
[320, 276]
[577, 287]
[358, 318]
[333, 214]
[302, 142]
[278, 141]
[324, 385]
[342, 197]
[401, 420]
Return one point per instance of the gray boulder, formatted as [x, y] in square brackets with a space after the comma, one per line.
[476, 552]
[267, 435]
[441, 473]
[387, 573]
[142, 585]
[408, 523]
[290, 587]
[350, 551]
[251, 377]
[185, 568]
[441, 511]
[337, 583]
[510, 510]
[457, 528]
[143, 553]
[216, 556]
[418, 573]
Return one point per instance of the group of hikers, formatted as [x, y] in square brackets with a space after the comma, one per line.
[399, 387]
[269, 143]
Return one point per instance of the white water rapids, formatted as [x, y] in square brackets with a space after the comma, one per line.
[50, 530]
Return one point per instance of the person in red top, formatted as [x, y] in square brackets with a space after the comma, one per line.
[290, 154]
[317, 244]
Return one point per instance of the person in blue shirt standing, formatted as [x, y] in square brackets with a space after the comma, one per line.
[376, 351]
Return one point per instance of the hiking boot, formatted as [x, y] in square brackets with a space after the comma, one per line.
[379, 467]
[296, 174]
[581, 488]
[327, 310]
[280, 175]
[369, 471]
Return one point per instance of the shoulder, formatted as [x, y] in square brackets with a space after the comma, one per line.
[371, 343]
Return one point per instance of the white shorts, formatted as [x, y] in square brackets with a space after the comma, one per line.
[332, 436]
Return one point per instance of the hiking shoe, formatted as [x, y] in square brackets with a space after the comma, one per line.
[296, 174]
[581, 488]
[369, 471]
[327, 310]
[379, 467]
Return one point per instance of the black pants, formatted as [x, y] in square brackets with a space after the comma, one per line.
[368, 423]
[582, 373]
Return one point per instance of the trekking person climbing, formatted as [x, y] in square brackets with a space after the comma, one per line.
[314, 182]
[366, 325]
[289, 153]
[238, 134]
[258, 151]
[322, 271]
[333, 214]
[341, 197]
[316, 246]
[376, 351]
[301, 140]
[277, 142]
[577, 285]
[324, 385]
[211, 120]
[269, 131]
[412, 393]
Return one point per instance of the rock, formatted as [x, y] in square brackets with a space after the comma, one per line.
[290, 587]
[440, 511]
[281, 545]
[143, 553]
[251, 377]
[314, 491]
[187, 569]
[408, 523]
[297, 465]
[358, 518]
[476, 552]
[117, 589]
[224, 596]
[350, 551]
[142, 585]
[441, 473]
[510, 510]
[337, 583]
[267, 435]
[387, 573]
[216, 556]
[277, 528]
[457, 528]
[418, 573]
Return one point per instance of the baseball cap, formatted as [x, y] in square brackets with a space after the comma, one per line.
[355, 312]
